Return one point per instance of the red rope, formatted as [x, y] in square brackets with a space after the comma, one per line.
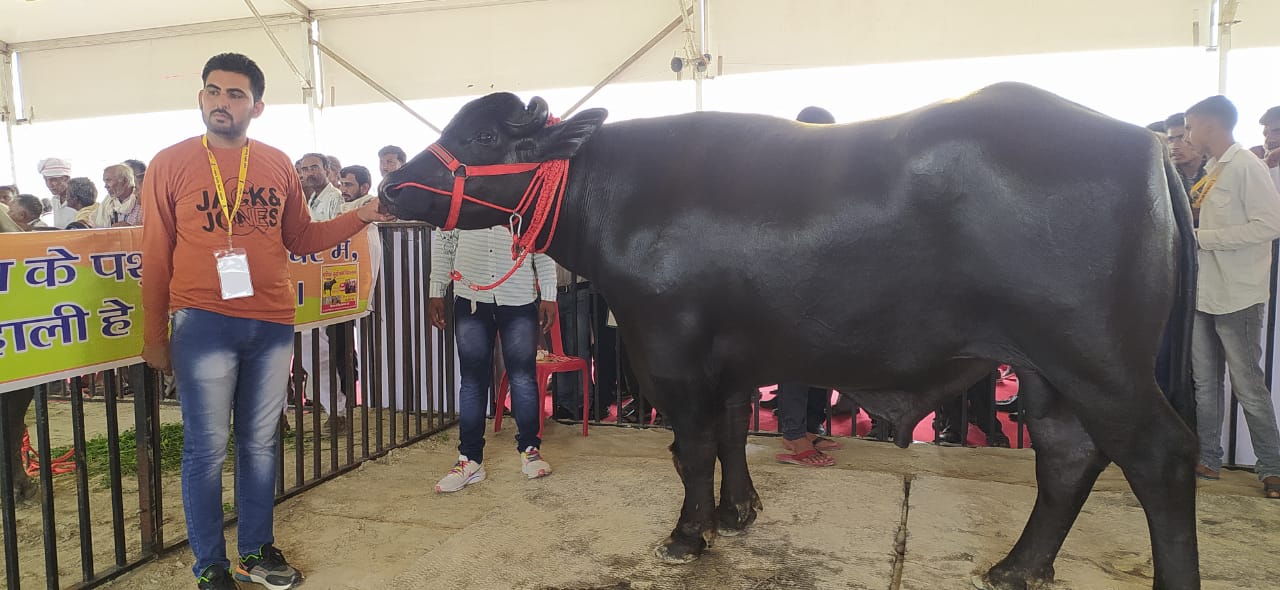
[545, 196]
[31, 461]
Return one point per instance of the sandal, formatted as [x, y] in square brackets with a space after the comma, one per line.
[1206, 473]
[1271, 488]
[811, 458]
[823, 443]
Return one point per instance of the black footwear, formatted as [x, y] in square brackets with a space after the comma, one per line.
[949, 437]
[881, 430]
[216, 578]
[1007, 405]
[339, 423]
[564, 413]
[268, 568]
[998, 440]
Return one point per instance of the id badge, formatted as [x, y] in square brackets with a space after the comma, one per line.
[233, 273]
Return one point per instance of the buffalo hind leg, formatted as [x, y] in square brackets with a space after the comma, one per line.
[1157, 452]
[1067, 465]
[694, 453]
[738, 498]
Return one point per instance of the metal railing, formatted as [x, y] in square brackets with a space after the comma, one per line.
[107, 497]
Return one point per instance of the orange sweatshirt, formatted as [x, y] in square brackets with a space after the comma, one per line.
[185, 226]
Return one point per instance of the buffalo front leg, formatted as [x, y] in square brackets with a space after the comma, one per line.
[694, 454]
[738, 498]
[1067, 465]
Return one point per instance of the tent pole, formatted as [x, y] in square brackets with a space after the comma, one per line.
[7, 106]
[626, 63]
[372, 84]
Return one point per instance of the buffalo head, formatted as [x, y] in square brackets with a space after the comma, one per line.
[495, 129]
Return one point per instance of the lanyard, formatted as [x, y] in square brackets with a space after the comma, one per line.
[1201, 189]
[229, 212]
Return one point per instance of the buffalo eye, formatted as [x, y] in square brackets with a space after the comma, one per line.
[484, 138]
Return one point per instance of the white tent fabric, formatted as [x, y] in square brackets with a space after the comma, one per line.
[438, 48]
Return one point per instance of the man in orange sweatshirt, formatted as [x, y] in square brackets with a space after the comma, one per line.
[222, 212]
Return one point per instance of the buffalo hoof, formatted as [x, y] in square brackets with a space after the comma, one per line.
[735, 518]
[678, 551]
[1002, 579]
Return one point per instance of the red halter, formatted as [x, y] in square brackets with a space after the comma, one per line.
[545, 193]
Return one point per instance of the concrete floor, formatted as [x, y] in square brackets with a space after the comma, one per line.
[614, 495]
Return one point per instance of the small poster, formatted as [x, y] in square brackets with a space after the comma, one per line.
[340, 287]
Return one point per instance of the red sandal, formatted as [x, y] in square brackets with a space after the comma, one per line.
[810, 458]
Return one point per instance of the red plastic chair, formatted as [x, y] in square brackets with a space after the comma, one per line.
[550, 364]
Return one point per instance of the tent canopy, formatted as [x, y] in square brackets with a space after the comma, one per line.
[145, 55]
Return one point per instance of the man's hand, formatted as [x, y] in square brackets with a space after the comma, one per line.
[547, 312]
[158, 357]
[435, 311]
[371, 211]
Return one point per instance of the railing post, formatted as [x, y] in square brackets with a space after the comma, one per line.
[146, 405]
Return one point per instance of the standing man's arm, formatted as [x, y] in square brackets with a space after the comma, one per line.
[443, 251]
[1261, 206]
[303, 235]
[546, 269]
[159, 237]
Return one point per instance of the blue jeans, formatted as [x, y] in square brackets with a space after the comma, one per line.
[1234, 340]
[475, 331]
[224, 365]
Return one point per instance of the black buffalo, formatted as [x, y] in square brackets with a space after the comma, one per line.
[898, 260]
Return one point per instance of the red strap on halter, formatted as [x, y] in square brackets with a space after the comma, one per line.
[544, 196]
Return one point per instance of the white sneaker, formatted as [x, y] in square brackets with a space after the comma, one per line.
[464, 473]
[533, 465]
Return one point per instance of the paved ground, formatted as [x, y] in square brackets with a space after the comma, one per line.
[614, 495]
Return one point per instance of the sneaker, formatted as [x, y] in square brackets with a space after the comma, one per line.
[216, 578]
[533, 465]
[268, 568]
[464, 473]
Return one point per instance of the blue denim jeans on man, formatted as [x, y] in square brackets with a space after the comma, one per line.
[475, 325]
[226, 365]
[1233, 341]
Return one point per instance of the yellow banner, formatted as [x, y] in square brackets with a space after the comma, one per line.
[71, 304]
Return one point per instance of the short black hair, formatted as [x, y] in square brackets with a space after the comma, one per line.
[1271, 116]
[324, 160]
[240, 64]
[1175, 120]
[139, 168]
[1218, 108]
[13, 188]
[82, 190]
[29, 202]
[360, 172]
[1158, 127]
[394, 149]
[816, 115]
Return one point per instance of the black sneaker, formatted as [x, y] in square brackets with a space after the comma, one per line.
[216, 578]
[268, 568]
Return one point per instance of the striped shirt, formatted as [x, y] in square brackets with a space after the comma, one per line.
[484, 256]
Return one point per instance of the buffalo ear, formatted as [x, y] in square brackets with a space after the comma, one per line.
[563, 140]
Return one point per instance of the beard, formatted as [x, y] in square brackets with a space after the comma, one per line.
[230, 128]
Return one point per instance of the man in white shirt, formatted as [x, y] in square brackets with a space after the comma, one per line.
[509, 310]
[323, 199]
[325, 203]
[1269, 151]
[57, 177]
[1239, 217]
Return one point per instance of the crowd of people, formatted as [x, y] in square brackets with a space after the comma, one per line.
[230, 347]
